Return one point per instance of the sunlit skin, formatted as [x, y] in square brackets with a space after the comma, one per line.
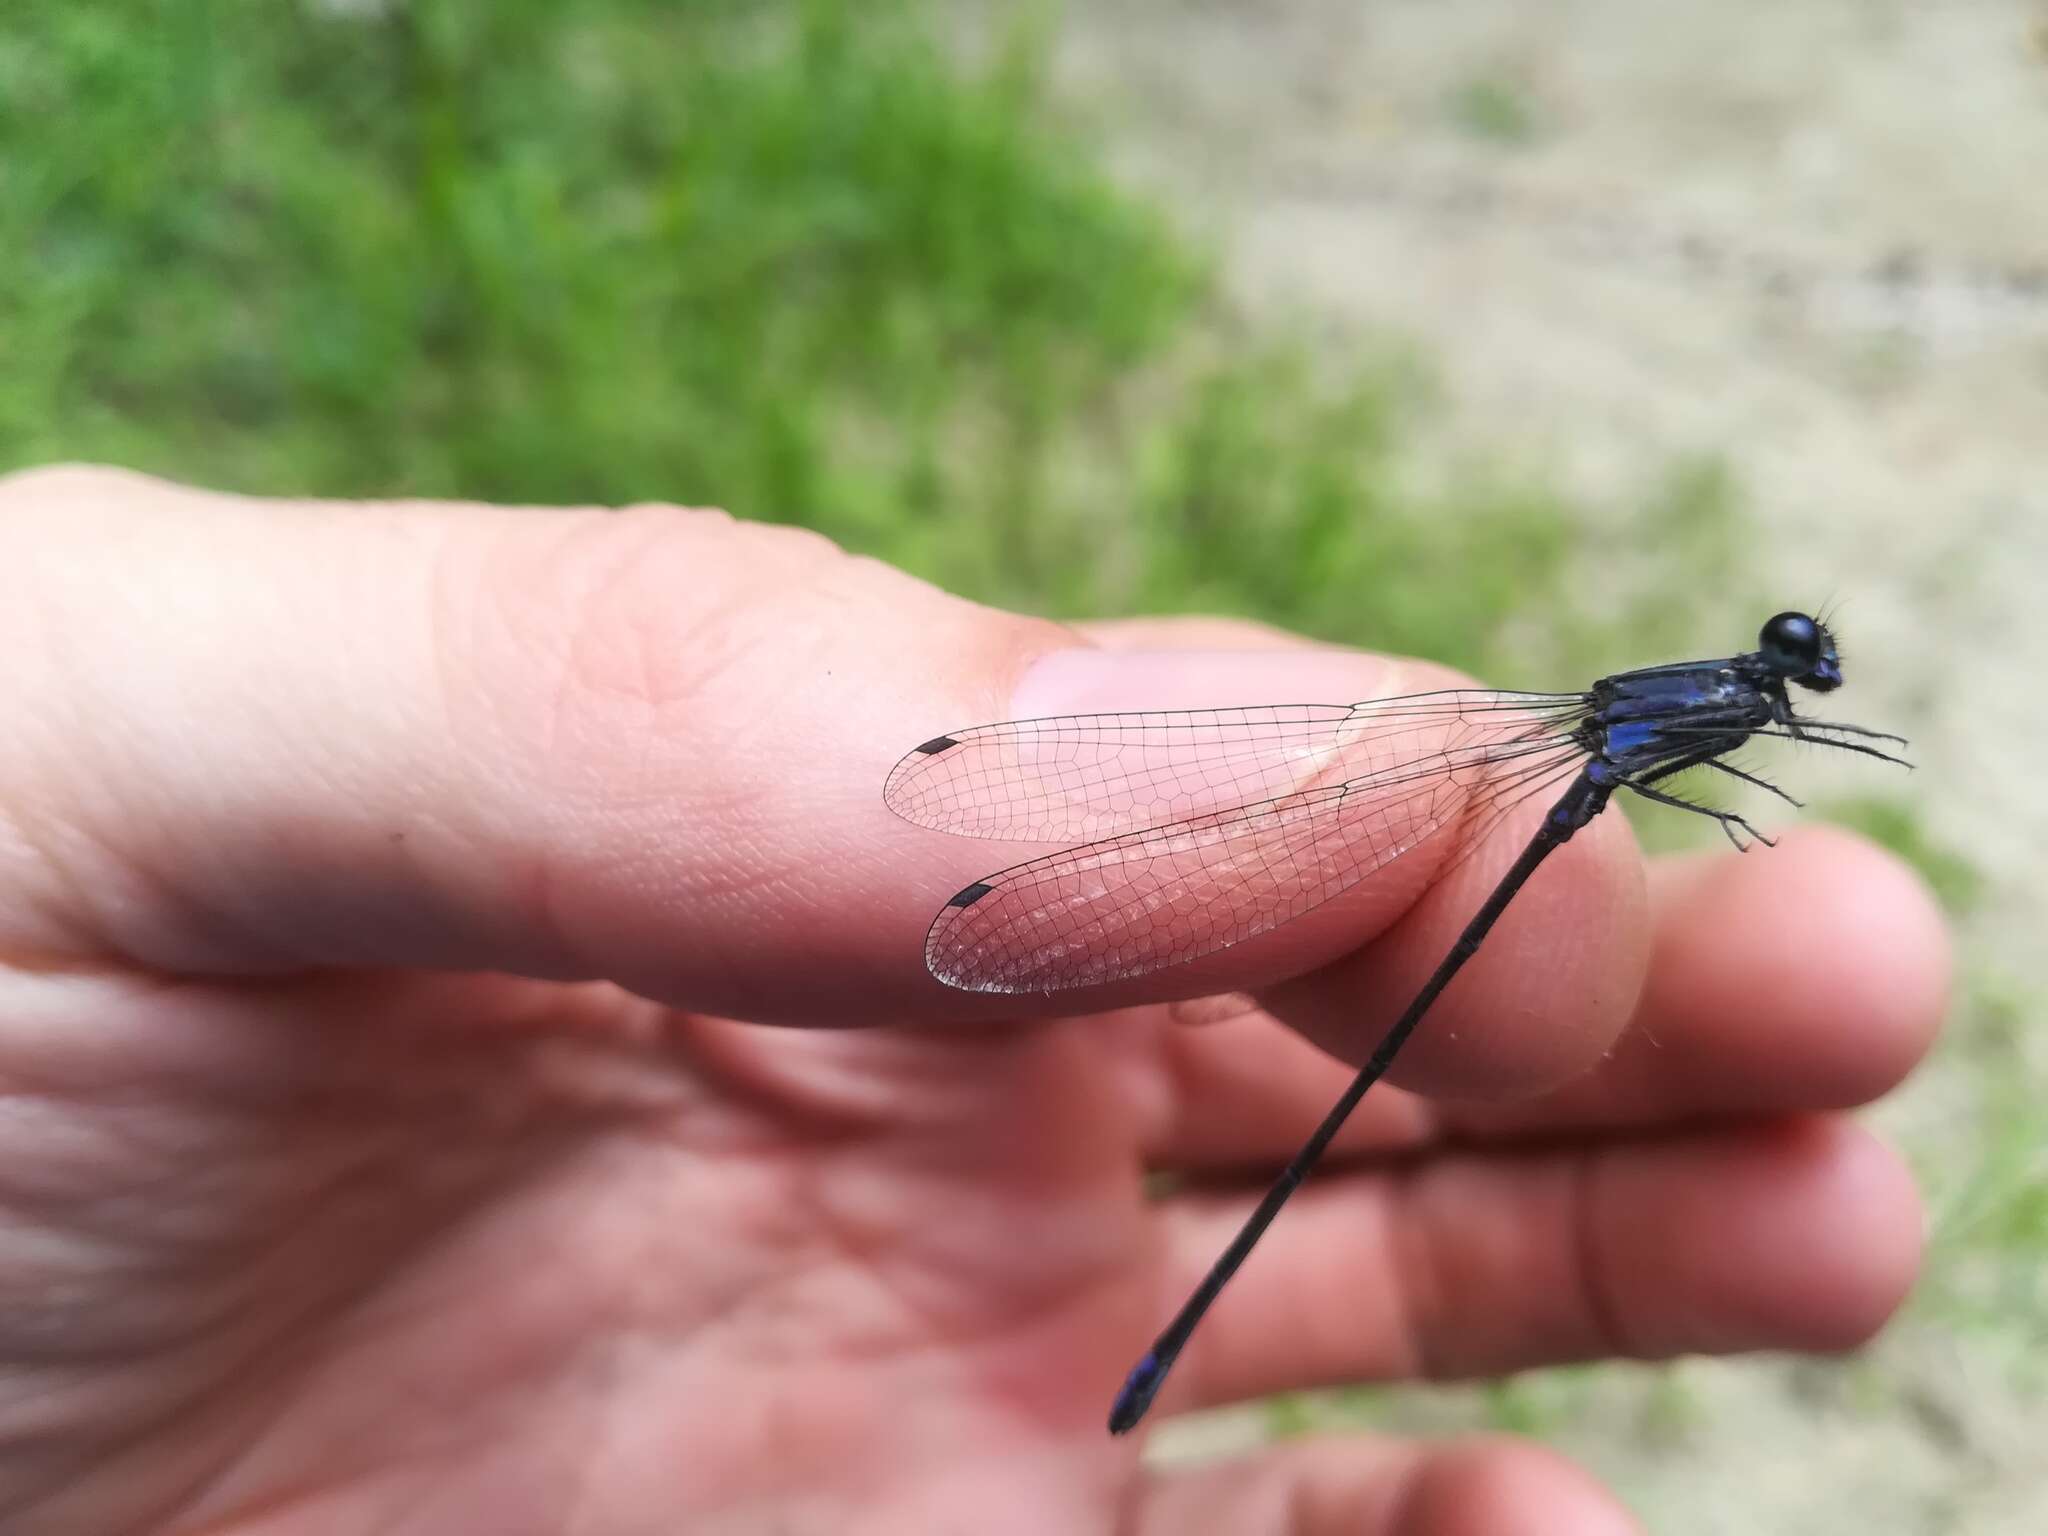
[378, 887]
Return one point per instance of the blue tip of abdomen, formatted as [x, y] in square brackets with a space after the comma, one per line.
[1136, 1396]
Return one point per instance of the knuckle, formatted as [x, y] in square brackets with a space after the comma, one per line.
[624, 633]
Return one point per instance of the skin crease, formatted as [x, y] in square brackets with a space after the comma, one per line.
[379, 887]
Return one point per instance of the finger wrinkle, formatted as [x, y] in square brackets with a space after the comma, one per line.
[1598, 1302]
[1404, 1497]
[1419, 1289]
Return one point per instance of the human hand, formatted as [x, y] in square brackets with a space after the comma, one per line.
[379, 886]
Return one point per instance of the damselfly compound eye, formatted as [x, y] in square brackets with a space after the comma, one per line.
[1791, 644]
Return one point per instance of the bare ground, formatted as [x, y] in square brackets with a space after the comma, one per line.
[1814, 239]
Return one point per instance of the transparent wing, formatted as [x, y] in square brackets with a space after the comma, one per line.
[1076, 777]
[1142, 900]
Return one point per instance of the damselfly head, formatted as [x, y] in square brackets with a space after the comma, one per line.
[1800, 649]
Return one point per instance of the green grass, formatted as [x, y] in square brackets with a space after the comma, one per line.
[795, 259]
[1495, 110]
[759, 255]
[1987, 1186]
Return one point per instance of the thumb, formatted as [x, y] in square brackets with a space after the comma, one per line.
[647, 746]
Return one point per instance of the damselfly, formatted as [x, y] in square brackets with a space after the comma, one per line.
[1201, 828]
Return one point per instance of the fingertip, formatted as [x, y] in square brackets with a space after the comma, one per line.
[1550, 989]
[1874, 912]
[1853, 1209]
[1804, 1234]
[1826, 957]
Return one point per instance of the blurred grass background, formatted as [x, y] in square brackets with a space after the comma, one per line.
[812, 262]
[796, 259]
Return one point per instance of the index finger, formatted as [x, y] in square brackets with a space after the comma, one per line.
[643, 746]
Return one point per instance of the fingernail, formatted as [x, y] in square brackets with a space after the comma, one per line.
[1088, 681]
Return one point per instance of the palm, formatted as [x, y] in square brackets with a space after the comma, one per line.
[511, 1256]
[639, 1265]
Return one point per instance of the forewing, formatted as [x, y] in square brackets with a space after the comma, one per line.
[1135, 903]
[1075, 777]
